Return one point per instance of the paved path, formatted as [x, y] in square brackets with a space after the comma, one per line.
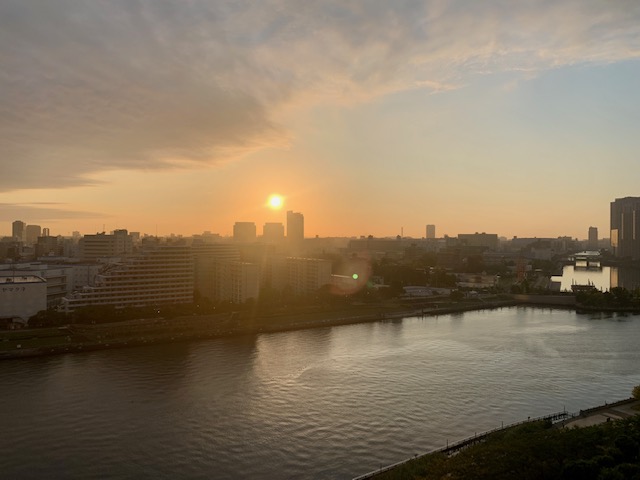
[605, 415]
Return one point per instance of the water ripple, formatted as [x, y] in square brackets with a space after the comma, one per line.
[323, 403]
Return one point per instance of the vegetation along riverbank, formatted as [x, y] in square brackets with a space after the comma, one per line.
[102, 334]
[607, 449]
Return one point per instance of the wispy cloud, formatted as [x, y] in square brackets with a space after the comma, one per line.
[91, 86]
[35, 213]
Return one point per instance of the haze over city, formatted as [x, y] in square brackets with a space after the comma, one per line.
[181, 117]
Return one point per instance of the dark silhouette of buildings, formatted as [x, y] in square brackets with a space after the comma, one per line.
[295, 229]
[592, 243]
[244, 232]
[18, 230]
[273, 233]
[625, 227]
[431, 231]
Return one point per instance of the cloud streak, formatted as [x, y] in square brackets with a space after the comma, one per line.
[36, 212]
[153, 84]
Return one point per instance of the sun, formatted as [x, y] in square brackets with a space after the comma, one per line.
[275, 201]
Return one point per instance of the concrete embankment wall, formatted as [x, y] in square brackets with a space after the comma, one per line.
[546, 300]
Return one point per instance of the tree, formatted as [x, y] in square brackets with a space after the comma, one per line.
[636, 392]
[456, 295]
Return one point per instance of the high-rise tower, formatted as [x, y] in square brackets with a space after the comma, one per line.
[625, 227]
[18, 230]
[592, 243]
[295, 229]
[431, 231]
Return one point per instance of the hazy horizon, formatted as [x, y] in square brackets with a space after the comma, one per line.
[175, 117]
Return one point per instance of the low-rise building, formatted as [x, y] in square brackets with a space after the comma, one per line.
[59, 278]
[22, 296]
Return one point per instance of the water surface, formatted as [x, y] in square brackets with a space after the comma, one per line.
[323, 403]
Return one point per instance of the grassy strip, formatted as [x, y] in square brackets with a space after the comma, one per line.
[537, 451]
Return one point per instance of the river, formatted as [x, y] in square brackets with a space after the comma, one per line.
[604, 278]
[322, 403]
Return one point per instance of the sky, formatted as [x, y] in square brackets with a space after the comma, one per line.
[370, 117]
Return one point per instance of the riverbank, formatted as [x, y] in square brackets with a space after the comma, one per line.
[495, 453]
[82, 338]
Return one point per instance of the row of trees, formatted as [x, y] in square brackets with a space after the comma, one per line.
[617, 297]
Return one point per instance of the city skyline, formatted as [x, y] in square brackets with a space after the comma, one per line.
[182, 118]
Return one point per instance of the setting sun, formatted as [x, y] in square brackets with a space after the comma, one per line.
[275, 201]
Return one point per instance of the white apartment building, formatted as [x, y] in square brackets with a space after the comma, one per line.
[307, 275]
[162, 275]
[237, 282]
[206, 258]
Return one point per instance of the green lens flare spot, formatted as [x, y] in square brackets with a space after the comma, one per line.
[354, 276]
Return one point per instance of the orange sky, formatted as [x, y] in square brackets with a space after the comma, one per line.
[367, 119]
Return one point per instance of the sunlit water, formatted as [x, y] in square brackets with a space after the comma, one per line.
[603, 279]
[324, 403]
[599, 278]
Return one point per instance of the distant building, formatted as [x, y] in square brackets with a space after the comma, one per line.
[10, 248]
[32, 233]
[47, 245]
[18, 230]
[101, 245]
[46, 232]
[486, 240]
[244, 232]
[295, 229]
[22, 296]
[431, 231]
[625, 227]
[592, 242]
[273, 233]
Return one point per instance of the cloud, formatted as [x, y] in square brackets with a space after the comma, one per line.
[30, 213]
[91, 86]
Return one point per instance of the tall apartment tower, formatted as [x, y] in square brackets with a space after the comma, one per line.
[592, 243]
[32, 232]
[295, 228]
[18, 230]
[431, 231]
[625, 227]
